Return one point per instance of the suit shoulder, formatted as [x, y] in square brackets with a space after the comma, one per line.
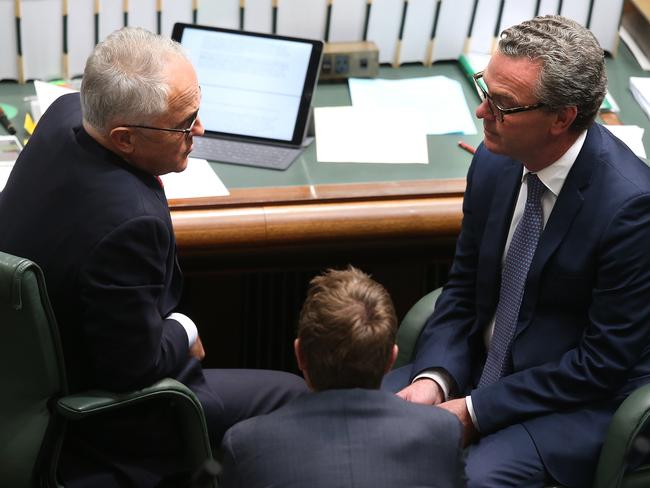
[442, 419]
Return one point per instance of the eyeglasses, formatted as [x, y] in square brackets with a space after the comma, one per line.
[498, 112]
[185, 132]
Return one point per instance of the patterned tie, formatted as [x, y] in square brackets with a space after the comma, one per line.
[513, 280]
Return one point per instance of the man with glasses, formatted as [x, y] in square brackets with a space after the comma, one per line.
[84, 203]
[544, 326]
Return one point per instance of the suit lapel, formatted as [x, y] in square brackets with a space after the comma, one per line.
[497, 226]
[567, 206]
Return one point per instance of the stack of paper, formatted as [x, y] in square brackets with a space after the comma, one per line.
[198, 180]
[640, 88]
[389, 120]
[9, 149]
[632, 136]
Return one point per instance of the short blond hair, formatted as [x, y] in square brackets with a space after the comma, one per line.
[347, 330]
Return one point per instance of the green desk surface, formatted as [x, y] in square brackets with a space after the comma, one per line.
[446, 159]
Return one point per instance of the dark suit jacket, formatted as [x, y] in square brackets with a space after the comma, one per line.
[581, 343]
[345, 438]
[102, 232]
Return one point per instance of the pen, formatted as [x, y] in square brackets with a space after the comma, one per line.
[4, 121]
[467, 147]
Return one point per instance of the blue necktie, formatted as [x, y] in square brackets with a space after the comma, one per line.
[513, 280]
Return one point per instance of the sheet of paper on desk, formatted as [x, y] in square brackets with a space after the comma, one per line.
[437, 101]
[632, 135]
[360, 135]
[10, 147]
[198, 180]
[640, 88]
[46, 94]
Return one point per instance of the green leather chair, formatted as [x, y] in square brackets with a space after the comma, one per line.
[34, 404]
[629, 420]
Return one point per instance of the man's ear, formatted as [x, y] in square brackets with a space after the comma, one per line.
[299, 356]
[302, 364]
[393, 358]
[563, 119]
[123, 139]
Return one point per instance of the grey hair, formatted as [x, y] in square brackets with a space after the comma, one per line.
[572, 64]
[124, 79]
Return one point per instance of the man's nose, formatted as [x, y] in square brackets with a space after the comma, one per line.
[483, 110]
[198, 129]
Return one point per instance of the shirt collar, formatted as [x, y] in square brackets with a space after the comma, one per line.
[554, 175]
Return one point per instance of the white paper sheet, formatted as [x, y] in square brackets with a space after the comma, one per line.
[437, 103]
[9, 149]
[198, 180]
[640, 88]
[632, 135]
[361, 135]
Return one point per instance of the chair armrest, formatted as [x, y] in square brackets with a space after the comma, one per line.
[412, 325]
[626, 424]
[190, 412]
[91, 402]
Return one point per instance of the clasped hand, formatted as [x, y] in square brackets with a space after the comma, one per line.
[428, 392]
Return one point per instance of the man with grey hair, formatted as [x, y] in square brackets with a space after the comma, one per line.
[543, 327]
[85, 203]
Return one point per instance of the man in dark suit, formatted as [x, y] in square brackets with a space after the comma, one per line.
[543, 328]
[85, 203]
[348, 433]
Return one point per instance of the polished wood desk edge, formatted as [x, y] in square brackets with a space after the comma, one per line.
[315, 194]
[273, 226]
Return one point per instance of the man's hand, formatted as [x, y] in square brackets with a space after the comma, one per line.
[196, 349]
[459, 408]
[425, 391]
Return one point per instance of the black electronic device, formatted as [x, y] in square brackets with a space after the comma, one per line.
[256, 93]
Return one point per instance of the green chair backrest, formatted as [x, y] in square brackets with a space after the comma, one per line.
[412, 325]
[31, 371]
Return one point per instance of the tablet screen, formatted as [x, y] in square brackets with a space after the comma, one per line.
[252, 85]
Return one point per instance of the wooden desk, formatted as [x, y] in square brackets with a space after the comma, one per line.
[313, 204]
[317, 204]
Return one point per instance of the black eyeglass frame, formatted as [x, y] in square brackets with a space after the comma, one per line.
[492, 105]
[185, 132]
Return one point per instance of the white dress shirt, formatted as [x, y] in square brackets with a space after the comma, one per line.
[187, 324]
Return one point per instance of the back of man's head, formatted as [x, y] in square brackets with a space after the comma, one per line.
[125, 78]
[346, 331]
